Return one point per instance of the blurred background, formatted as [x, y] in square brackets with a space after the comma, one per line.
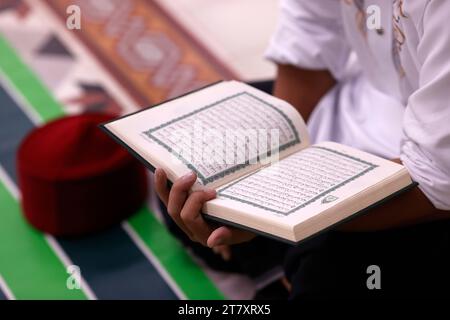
[127, 55]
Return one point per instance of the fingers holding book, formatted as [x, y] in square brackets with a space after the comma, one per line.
[185, 209]
[164, 194]
[161, 186]
[228, 236]
[191, 215]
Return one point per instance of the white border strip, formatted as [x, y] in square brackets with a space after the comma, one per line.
[9, 184]
[124, 100]
[151, 257]
[20, 100]
[5, 289]
[67, 262]
[12, 188]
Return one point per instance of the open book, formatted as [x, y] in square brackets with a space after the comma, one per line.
[254, 149]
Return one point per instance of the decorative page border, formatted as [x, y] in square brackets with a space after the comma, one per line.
[371, 167]
[237, 167]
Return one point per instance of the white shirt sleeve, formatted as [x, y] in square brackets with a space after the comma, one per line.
[310, 35]
[425, 150]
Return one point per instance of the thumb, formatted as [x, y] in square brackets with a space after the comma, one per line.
[227, 236]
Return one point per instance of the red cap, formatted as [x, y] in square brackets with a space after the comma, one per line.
[74, 179]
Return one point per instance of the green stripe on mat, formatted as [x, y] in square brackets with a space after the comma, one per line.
[185, 272]
[30, 86]
[177, 262]
[28, 264]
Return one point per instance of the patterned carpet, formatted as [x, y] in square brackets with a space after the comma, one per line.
[128, 54]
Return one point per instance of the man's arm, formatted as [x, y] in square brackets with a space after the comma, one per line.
[302, 88]
[409, 208]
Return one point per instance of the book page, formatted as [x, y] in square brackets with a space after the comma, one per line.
[220, 132]
[298, 180]
[302, 186]
[241, 113]
[308, 191]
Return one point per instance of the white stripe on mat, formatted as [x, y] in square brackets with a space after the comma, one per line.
[5, 289]
[12, 188]
[151, 257]
[67, 262]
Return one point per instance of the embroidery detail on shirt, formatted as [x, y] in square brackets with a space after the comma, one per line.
[360, 15]
[399, 37]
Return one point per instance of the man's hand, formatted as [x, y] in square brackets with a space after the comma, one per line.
[303, 89]
[185, 209]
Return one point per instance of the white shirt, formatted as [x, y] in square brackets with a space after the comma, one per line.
[393, 97]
